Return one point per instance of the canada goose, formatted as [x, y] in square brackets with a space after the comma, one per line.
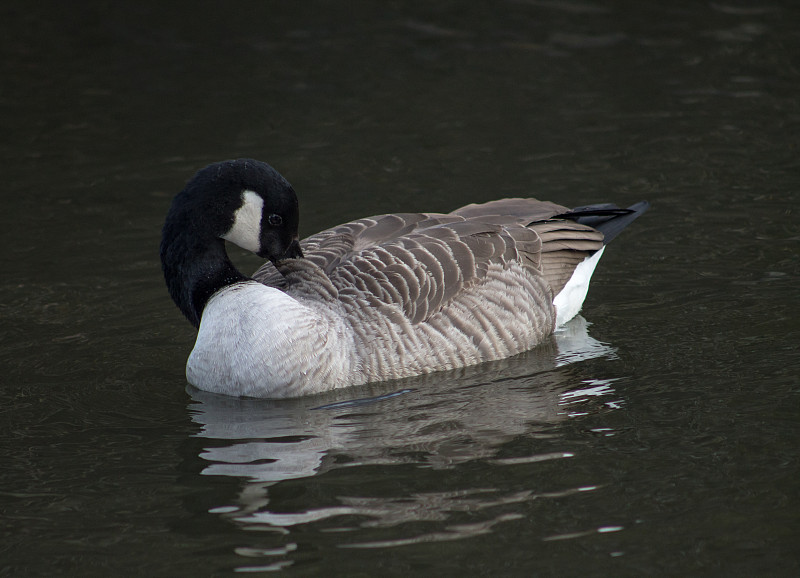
[379, 298]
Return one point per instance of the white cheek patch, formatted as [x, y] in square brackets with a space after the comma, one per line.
[246, 229]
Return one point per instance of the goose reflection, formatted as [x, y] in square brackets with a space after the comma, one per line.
[436, 421]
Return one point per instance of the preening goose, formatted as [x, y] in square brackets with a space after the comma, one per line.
[379, 298]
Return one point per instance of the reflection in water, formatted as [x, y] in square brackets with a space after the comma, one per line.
[437, 421]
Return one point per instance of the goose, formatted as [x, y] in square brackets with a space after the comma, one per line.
[379, 298]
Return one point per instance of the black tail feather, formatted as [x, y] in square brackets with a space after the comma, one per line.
[606, 217]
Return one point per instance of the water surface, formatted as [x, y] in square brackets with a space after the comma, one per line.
[657, 436]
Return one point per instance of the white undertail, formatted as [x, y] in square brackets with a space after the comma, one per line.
[570, 300]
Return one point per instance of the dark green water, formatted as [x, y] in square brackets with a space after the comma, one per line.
[663, 442]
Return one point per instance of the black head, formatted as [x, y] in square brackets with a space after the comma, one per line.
[244, 201]
[252, 205]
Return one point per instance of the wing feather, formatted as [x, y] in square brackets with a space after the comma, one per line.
[420, 262]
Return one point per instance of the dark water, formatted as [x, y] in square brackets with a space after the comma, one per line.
[664, 441]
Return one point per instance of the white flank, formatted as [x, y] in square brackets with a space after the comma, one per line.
[246, 229]
[570, 300]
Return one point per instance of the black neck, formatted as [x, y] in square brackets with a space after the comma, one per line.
[195, 268]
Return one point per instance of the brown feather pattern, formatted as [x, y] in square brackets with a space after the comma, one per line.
[424, 292]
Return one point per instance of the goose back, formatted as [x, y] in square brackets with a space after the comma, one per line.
[426, 291]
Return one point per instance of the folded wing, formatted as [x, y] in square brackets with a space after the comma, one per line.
[420, 262]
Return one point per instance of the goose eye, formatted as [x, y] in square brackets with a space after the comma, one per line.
[275, 220]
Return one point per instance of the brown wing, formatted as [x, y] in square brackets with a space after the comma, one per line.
[564, 245]
[420, 262]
